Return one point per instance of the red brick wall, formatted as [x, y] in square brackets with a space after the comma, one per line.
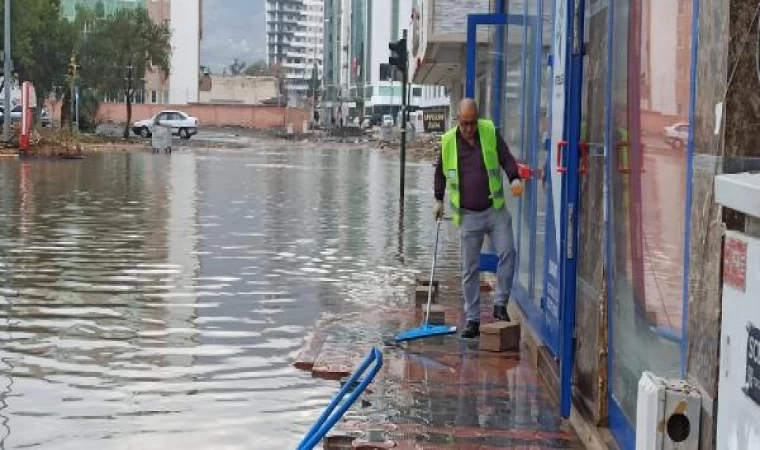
[214, 115]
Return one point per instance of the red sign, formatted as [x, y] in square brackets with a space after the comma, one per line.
[735, 263]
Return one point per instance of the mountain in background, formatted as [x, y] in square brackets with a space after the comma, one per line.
[233, 29]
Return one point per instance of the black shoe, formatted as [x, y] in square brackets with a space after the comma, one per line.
[500, 313]
[471, 331]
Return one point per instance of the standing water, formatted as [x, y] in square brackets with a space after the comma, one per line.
[157, 301]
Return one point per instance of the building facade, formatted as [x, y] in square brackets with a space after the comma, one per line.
[69, 7]
[358, 80]
[185, 19]
[618, 236]
[295, 42]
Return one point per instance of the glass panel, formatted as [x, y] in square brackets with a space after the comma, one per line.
[650, 98]
[514, 113]
[542, 135]
[591, 205]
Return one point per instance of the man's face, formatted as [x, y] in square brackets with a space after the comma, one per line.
[468, 123]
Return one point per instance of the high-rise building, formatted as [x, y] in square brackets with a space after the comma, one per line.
[358, 81]
[295, 43]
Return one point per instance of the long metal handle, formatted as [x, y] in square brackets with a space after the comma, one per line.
[328, 419]
[432, 272]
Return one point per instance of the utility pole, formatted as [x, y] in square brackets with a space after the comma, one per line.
[72, 96]
[400, 59]
[7, 73]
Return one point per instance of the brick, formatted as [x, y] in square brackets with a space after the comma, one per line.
[437, 315]
[338, 442]
[334, 373]
[500, 336]
[421, 297]
[365, 445]
[425, 282]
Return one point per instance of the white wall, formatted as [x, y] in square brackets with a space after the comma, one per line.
[185, 23]
[381, 37]
[663, 40]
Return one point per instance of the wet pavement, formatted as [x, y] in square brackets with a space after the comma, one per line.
[160, 301]
[440, 392]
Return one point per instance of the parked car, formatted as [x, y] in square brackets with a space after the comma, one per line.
[45, 119]
[676, 135]
[15, 114]
[182, 124]
[387, 120]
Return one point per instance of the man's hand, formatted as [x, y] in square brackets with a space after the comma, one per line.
[438, 210]
[517, 187]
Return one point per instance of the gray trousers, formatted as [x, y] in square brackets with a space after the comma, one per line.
[497, 225]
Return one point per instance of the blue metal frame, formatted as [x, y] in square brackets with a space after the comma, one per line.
[689, 181]
[475, 20]
[570, 204]
[498, 69]
[550, 338]
[619, 425]
[535, 142]
[621, 429]
[330, 417]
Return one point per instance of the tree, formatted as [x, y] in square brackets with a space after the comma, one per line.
[236, 68]
[41, 43]
[314, 83]
[257, 69]
[120, 49]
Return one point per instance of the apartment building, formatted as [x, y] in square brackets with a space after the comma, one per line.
[295, 40]
[358, 81]
[186, 20]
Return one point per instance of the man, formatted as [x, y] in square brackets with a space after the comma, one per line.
[470, 162]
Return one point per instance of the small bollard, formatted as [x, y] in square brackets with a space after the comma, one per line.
[500, 336]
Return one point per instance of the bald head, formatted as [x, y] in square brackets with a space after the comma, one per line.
[468, 107]
[468, 118]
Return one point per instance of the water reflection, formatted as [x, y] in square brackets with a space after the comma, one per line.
[158, 300]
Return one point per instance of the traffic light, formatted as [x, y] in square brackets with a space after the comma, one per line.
[73, 67]
[399, 55]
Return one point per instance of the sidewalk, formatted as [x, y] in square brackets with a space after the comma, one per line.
[437, 393]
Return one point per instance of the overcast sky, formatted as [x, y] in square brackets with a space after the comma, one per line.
[232, 29]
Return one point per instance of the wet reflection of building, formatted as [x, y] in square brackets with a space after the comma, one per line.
[181, 245]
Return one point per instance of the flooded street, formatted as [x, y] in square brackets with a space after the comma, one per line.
[157, 301]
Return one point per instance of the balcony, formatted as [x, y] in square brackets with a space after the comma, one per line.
[439, 38]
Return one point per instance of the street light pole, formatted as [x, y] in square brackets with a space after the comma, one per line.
[7, 73]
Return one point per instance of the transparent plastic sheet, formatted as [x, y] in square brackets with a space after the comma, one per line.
[648, 156]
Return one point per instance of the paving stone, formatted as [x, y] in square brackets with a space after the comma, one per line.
[338, 442]
[421, 297]
[437, 315]
[500, 336]
[364, 445]
[425, 282]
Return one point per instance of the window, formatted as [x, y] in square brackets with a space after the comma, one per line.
[153, 96]
[416, 92]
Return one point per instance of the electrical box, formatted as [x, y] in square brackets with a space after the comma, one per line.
[667, 414]
[739, 380]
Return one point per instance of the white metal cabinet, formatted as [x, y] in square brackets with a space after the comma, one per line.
[739, 383]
